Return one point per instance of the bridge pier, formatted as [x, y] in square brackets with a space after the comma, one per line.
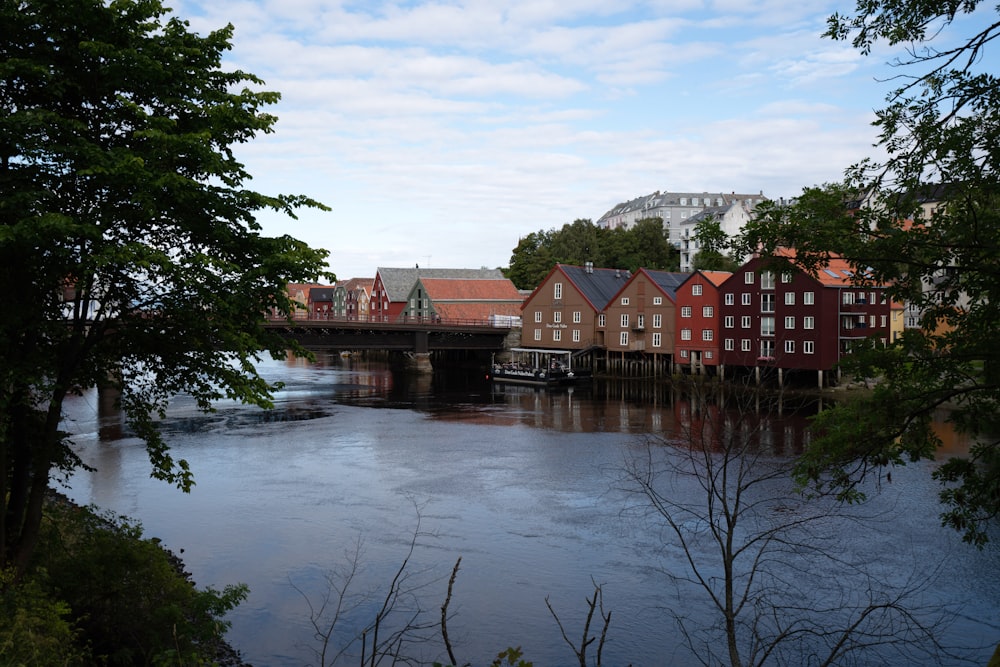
[418, 362]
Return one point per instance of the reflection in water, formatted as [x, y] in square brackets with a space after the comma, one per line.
[522, 483]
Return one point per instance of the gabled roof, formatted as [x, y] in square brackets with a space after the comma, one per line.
[668, 281]
[476, 310]
[355, 283]
[321, 294]
[451, 289]
[398, 282]
[836, 272]
[715, 278]
[598, 286]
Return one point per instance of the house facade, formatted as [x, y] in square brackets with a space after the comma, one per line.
[641, 316]
[321, 303]
[391, 287]
[459, 301]
[731, 217]
[345, 300]
[567, 310]
[792, 320]
[699, 318]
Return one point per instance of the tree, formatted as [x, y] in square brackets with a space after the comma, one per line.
[714, 246]
[925, 221]
[742, 539]
[129, 251]
[531, 260]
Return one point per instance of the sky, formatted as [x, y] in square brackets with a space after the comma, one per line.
[440, 133]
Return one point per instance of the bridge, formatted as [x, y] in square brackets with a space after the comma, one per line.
[419, 336]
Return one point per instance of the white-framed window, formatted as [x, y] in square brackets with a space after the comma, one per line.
[748, 277]
[657, 300]
[624, 320]
[848, 298]
[707, 334]
[789, 298]
[808, 298]
[640, 321]
[707, 311]
[767, 280]
[786, 276]
[657, 339]
[789, 321]
[730, 299]
[685, 334]
[745, 322]
[696, 290]
[745, 344]
[767, 303]
[538, 334]
[538, 316]
[729, 321]
[577, 317]
[623, 339]
[808, 322]
[684, 354]
[576, 335]
[602, 319]
[746, 299]
[708, 354]
[657, 320]
[789, 347]
[883, 321]
[767, 349]
[556, 317]
[767, 326]
[557, 334]
[685, 311]
[730, 344]
[557, 291]
[808, 347]
[624, 300]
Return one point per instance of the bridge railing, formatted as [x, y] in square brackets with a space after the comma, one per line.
[493, 322]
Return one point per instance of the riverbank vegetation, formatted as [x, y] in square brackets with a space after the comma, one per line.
[98, 592]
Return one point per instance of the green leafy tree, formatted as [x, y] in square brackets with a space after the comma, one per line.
[531, 260]
[714, 246]
[925, 221]
[129, 250]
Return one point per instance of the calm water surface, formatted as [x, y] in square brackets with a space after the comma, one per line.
[522, 485]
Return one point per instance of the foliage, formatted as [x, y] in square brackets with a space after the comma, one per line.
[130, 602]
[643, 245]
[35, 627]
[925, 221]
[129, 250]
[714, 247]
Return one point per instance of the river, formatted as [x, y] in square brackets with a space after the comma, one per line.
[524, 486]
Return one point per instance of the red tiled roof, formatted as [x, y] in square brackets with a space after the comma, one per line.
[445, 289]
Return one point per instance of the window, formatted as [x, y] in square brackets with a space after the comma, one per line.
[767, 349]
[657, 320]
[745, 322]
[557, 291]
[557, 317]
[808, 322]
[624, 300]
[706, 334]
[696, 290]
[640, 321]
[624, 320]
[767, 280]
[538, 316]
[789, 298]
[748, 277]
[708, 354]
[657, 300]
[685, 334]
[707, 311]
[848, 298]
[601, 320]
[786, 277]
[557, 334]
[686, 311]
[657, 339]
[808, 298]
[767, 303]
[767, 326]
[730, 344]
[789, 321]
[789, 347]
[576, 317]
[623, 339]
[883, 321]
[730, 299]
[807, 347]
[576, 335]
[745, 345]
[684, 354]
[538, 334]
[746, 299]
[729, 322]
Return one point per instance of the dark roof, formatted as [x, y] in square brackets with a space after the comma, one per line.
[321, 294]
[398, 282]
[598, 286]
[668, 281]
